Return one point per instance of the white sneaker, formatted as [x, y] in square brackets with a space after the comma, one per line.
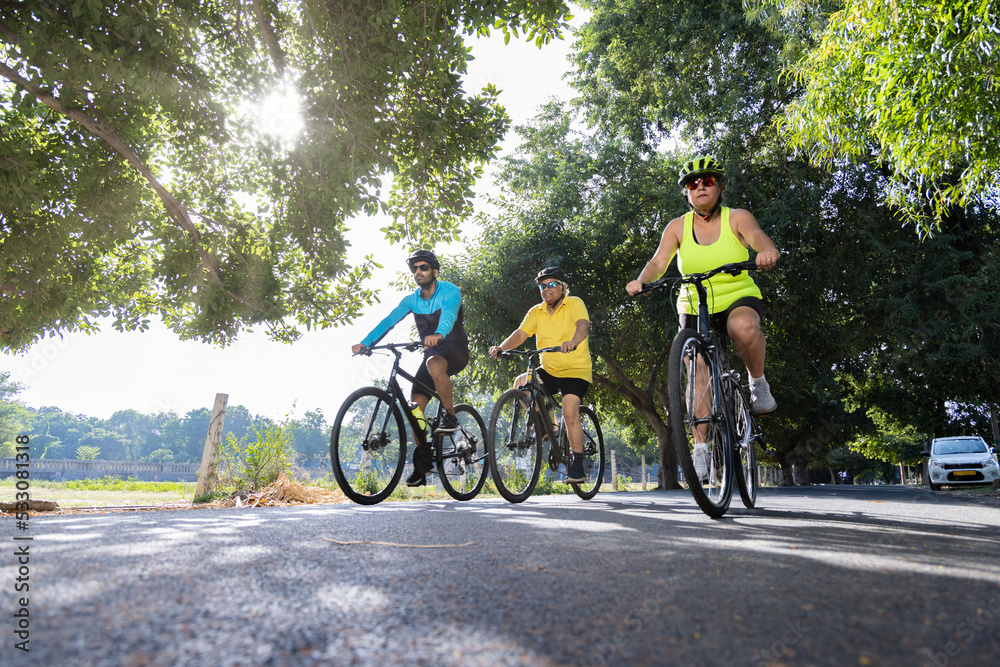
[702, 460]
[760, 397]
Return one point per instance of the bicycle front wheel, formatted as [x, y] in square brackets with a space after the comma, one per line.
[368, 446]
[514, 452]
[462, 464]
[745, 430]
[593, 453]
[698, 424]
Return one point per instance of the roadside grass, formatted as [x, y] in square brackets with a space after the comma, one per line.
[103, 492]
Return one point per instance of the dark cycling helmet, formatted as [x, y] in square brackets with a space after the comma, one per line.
[423, 256]
[700, 166]
[552, 272]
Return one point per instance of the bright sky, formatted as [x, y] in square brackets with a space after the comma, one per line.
[154, 372]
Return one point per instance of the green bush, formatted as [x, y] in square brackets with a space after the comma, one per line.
[548, 486]
[255, 460]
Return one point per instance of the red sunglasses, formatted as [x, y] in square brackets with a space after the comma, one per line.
[709, 181]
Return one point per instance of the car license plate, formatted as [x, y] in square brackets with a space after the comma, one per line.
[964, 472]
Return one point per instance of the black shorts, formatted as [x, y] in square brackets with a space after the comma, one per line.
[457, 358]
[718, 320]
[554, 385]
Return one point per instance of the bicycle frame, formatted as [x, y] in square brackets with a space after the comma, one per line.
[420, 435]
[534, 387]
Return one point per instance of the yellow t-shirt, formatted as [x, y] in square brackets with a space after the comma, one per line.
[723, 289]
[556, 329]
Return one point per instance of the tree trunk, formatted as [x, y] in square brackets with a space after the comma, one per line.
[993, 423]
[787, 474]
[666, 478]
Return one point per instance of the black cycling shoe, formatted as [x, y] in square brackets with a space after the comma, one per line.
[416, 479]
[576, 473]
[449, 424]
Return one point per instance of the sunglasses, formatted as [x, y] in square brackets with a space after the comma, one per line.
[709, 181]
[551, 284]
[420, 267]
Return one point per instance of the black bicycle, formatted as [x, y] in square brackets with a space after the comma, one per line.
[368, 444]
[712, 424]
[522, 420]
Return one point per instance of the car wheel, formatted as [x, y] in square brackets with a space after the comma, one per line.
[934, 487]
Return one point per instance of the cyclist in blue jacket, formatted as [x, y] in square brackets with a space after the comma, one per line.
[437, 310]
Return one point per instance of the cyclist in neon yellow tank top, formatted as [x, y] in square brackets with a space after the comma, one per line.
[708, 236]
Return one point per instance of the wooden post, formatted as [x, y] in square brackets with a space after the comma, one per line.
[643, 472]
[614, 472]
[210, 455]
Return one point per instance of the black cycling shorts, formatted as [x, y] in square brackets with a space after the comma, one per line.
[718, 320]
[457, 358]
[554, 385]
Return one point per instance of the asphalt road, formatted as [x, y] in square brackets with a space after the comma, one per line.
[815, 576]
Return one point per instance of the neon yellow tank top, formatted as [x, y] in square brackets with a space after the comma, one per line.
[723, 289]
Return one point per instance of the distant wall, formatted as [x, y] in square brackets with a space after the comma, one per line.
[69, 469]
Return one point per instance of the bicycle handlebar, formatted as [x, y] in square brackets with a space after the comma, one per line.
[412, 346]
[510, 354]
[732, 269]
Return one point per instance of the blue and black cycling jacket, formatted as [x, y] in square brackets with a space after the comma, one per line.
[441, 314]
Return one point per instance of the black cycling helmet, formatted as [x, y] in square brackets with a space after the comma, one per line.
[552, 272]
[423, 256]
[700, 166]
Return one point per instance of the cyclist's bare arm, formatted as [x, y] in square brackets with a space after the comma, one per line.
[670, 241]
[509, 343]
[581, 333]
[749, 231]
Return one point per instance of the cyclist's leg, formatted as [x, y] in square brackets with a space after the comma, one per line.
[436, 372]
[571, 416]
[743, 327]
[573, 390]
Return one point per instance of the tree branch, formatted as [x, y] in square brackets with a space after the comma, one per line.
[106, 131]
[269, 37]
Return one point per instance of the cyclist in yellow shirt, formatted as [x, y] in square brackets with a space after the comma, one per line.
[560, 320]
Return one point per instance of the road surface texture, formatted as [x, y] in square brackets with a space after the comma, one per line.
[822, 575]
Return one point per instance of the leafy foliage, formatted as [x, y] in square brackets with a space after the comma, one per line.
[593, 206]
[913, 82]
[136, 182]
[256, 460]
[85, 453]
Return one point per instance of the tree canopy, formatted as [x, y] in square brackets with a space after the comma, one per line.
[910, 83]
[136, 182]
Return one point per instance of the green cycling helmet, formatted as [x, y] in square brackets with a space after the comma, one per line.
[700, 166]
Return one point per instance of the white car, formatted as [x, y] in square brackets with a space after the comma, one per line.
[961, 460]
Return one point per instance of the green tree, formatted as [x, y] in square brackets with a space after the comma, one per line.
[311, 437]
[14, 417]
[912, 80]
[131, 152]
[591, 205]
[87, 453]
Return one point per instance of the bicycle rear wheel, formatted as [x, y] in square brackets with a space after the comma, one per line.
[745, 430]
[698, 425]
[461, 460]
[368, 446]
[593, 453]
[514, 452]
